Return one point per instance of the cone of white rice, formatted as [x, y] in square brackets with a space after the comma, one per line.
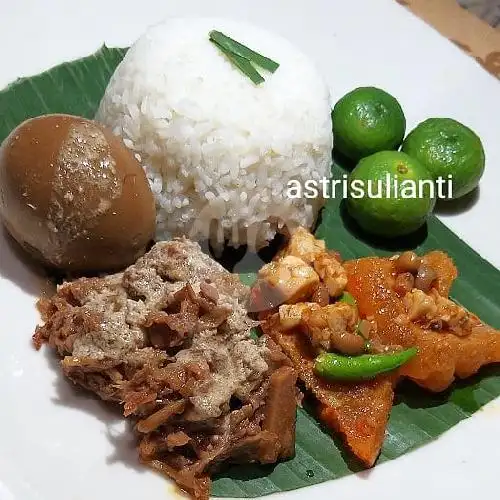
[219, 150]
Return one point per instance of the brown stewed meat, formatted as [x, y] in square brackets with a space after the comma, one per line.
[170, 340]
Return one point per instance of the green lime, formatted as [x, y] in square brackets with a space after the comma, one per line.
[390, 194]
[367, 120]
[448, 148]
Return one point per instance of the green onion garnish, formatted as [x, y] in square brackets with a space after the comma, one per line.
[243, 57]
[237, 48]
[242, 64]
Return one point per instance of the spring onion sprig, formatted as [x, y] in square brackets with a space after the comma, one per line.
[243, 57]
[244, 65]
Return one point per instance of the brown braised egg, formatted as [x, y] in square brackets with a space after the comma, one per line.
[74, 196]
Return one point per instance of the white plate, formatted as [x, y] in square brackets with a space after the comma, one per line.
[59, 444]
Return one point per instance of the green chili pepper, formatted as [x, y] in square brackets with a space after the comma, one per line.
[348, 299]
[367, 366]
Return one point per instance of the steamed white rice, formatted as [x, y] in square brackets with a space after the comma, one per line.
[217, 149]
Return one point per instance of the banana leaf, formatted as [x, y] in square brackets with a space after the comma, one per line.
[417, 417]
